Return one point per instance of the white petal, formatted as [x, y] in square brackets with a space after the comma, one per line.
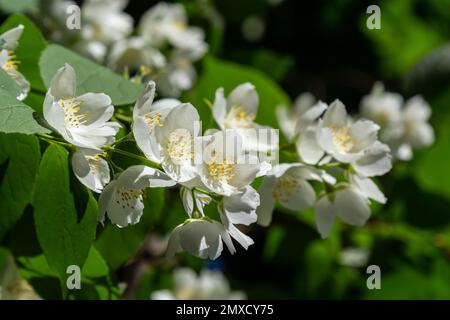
[364, 133]
[286, 121]
[188, 200]
[98, 108]
[308, 148]
[105, 200]
[267, 204]
[146, 140]
[144, 103]
[303, 198]
[11, 37]
[202, 238]
[63, 84]
[368, 188]
[325, 216]
[376, 161]
[351, 207]
[240, 208]
[219, 108]
[94, 179]
[54, 114]
[244, 240]
[336, 115]
[141, 177]
[244, 96]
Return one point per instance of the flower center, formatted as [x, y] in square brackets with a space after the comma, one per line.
[286, 186]
[342, 138]
[93, 162]
[127, 197]
[153, 120]
[179, 25]
[238, 117]
[73, 117]
[221, 169]
[12, 63]
[180, 145]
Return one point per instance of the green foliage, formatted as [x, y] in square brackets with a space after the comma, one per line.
[218, 73]
[65, 225]
[404, 36]
[9, 6]
[431, 168]
[17, 117]
[91, 77]
[31, 46]
[19, 162]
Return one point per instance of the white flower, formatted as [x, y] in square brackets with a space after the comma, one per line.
[209, 285]
[238, 112]
[146, 117]
[105, 21]
[347, 203]
[177, 76]
[404, 126]
[239, 208]
[342, 139]
[12, 285]
[382, 107]
[122, 199]
[304, 113]
[194, 201]
[367, 188]
[91, 169]
[8, 43]
[81, 120]
[176, 138]
[417, 133]
[134, 53]
[354, 257]
[200, 237]
[287, 184]
[375, 161]
[168, 23]
[224, 168]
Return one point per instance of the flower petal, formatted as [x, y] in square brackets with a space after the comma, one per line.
[267, 201]
[376, 161]
[324, 216]
[244, 96]
[63, 83]
[351, 207]
[219, 108]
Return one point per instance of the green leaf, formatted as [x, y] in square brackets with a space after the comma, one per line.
[431, 166]
[65, 231]
[95, 265]
[8, 84]
[19, 163]
[9, 6]
[218, 73]
[118, 245]
[31, 45]
[17, 117]
[91, 77]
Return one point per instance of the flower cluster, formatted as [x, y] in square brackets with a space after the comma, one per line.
[9, 41]
[404, 125]
[209, 284]
[337, 158]
[163, 49]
